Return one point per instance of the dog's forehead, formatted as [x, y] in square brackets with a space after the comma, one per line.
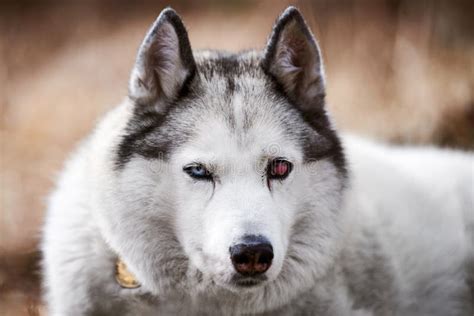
[234, 130]
[237, 107]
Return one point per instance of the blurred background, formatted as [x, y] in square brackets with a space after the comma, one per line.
[398, 70]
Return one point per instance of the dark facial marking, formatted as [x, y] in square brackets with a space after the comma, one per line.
[142, 134]
[140, 127]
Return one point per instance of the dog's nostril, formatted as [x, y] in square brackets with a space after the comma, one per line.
[265, 257]
[252, 257]
[241, 259]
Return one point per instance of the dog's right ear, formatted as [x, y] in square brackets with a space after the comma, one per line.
[164, 62]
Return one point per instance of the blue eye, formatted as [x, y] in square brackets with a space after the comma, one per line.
[198, 172]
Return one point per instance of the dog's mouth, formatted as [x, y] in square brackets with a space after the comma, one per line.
[248, 282]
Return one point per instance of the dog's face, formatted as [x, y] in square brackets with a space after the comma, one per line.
[228, 176]
[238, 178]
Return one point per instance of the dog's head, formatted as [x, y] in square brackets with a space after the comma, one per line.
[228, 177]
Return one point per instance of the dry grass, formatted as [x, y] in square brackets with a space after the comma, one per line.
[396, 72]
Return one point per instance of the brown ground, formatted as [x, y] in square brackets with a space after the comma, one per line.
[397, 70]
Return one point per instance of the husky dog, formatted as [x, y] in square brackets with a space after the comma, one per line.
[222, 187]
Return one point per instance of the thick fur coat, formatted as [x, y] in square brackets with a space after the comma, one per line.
[356, 227]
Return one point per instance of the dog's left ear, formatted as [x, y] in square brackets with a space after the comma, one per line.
[293, 58]
[164, 62]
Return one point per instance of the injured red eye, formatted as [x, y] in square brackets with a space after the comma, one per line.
[279, 169]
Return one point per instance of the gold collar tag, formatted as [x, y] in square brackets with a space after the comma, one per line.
[124, 277]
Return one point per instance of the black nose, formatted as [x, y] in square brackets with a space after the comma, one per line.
[253, 256]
